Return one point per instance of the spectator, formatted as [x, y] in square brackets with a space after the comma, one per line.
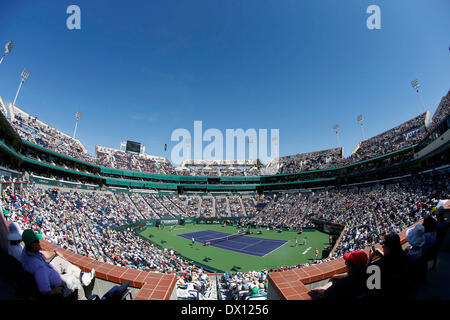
[416, 265]
[14, 241]
[391, 263]
[347, 286]
[254, 292]
[50, 282]
[416, 238]
[441, 231]
[429, 225]
[442, 224]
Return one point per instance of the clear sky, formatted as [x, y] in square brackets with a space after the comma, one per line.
[138, 70]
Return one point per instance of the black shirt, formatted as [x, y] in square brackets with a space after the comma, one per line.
[347, 288]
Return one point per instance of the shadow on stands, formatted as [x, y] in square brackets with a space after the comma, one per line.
[116, 293]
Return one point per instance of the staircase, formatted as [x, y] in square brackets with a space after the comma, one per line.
[211, 290]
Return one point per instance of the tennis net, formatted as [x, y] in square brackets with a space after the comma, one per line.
[229, 237]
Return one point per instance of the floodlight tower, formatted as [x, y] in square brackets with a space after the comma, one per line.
[336, 129]
[360, 120]
[415, 84]
[24, 76]
[78, 117]
[8, 48]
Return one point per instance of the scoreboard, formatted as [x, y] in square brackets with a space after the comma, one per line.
[133, 146]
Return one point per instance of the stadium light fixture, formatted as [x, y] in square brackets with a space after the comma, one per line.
[24, 76]
[360, 120]
[416, 85]
[78, 117]
[336, 129]
[8, 48]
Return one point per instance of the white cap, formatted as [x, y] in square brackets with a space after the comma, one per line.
[15, 232]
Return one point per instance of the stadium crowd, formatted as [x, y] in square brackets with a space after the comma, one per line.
[406, 134]
[218, 168]
[309, 161]
[83, 222]
[236, 209]
[366, 213]
[221, 207]
[207, 207]
[33, 130]
[442, 111]
[192, 206]
[245, 285]
[119, 159]
[403, 272]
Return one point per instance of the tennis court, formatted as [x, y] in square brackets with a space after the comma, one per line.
[248, 245]
[226, 259]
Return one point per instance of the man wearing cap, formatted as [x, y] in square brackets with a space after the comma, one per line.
[59, 277]
[346, 286]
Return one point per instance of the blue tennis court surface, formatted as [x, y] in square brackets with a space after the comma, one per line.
[254, 246]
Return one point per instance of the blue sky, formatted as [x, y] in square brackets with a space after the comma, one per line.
[138, 70]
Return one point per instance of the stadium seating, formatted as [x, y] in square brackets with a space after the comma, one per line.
[367, 213]
[34, 130]
[219, 168]
[309, 161]
[83, 222]
[442, 111]
[119, 159]
[406, 134]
